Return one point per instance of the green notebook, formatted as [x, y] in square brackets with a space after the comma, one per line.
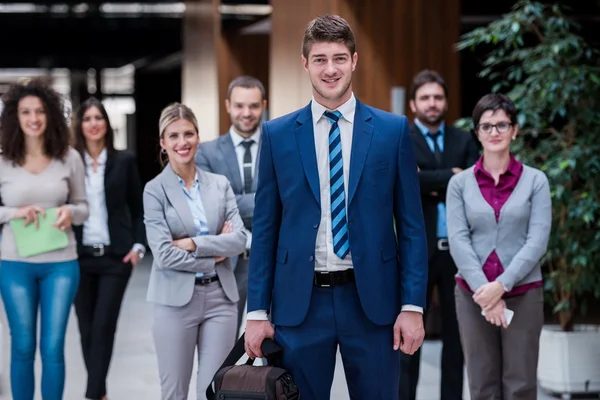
[32, 241]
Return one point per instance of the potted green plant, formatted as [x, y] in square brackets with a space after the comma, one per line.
[536, 56]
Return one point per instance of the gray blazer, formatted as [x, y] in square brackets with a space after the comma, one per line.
[167, 217]
[520, 237]
[218, 156]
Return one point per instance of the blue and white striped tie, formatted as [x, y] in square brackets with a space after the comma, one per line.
[339, 226]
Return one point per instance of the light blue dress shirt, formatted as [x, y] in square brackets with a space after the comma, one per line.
[194, 201]
[442, 231]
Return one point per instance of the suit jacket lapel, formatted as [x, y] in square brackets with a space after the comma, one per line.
[361, 141]
[230, 159]
[209, 202]
[255, 180]
[110, 162]
[305, 137]
[421, 143]
[449, 143]
[174, 193]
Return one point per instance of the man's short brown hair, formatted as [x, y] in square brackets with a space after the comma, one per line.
[247, 82]
[424, 77]
[328, 29]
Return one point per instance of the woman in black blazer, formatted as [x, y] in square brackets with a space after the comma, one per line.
[110, 242]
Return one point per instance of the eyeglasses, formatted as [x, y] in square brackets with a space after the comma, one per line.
[501, 127]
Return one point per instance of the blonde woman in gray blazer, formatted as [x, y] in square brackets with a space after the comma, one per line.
[193, 227]
[499, 217]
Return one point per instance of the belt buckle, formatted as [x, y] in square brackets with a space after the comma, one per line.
[204, 281]
[321, 273]
[98, 250]
[442, 244]
[246, 255]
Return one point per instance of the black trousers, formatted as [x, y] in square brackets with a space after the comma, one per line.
[97, 305]
[441, 273]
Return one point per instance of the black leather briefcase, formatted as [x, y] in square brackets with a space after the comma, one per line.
[250, 382]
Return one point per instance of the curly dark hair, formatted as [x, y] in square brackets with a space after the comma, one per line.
[80, 143]
[12, 138]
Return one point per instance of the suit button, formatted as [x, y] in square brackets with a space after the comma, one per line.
[315, 226]
[311, 258]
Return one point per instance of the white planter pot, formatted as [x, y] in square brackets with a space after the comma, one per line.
[569, 362]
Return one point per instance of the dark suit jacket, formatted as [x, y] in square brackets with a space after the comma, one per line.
[219, 157]
[460, 151]
[123, 192]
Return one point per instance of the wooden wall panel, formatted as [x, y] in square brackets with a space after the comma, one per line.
[200, 89]
[241, 55]
[290, 86]
[212, 58]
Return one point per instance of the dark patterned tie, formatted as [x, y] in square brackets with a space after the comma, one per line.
[248, 165]
[437, 152]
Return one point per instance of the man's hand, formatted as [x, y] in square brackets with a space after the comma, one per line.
[186, 244]
[488, 295]
[409, 332]
[256, 332]
[456, 170]
[495, 315]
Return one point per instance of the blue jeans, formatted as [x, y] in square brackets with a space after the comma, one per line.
[25, 286]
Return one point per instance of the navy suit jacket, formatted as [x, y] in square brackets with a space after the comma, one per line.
[390, 268]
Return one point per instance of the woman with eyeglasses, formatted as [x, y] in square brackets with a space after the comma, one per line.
[499, 217]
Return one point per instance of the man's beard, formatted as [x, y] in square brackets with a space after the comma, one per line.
[432, 121]
[238, 127]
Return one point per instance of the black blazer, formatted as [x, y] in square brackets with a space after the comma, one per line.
[123, 192]
[460, 151]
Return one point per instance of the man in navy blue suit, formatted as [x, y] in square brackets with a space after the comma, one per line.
[339, 254]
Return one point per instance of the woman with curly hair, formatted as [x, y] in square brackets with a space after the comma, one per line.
[40, 177]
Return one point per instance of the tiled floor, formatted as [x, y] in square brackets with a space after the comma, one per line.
[133, 374]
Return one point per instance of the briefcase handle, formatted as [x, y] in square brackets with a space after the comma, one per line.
[271, 350]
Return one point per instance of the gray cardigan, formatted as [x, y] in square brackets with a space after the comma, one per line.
[520, 237]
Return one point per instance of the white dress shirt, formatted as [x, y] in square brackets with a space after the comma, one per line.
[240, 150]
[325, 257]
[95, 229]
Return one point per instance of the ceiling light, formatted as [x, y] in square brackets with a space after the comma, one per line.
[246, 9]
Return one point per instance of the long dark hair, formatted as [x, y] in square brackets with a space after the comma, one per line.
[80, 143]
[12, 138]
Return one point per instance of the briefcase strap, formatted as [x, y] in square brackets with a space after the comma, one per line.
[271, 350]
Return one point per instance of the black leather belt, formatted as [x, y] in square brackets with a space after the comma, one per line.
[96, 250]
[334, 278]
[206, 280]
